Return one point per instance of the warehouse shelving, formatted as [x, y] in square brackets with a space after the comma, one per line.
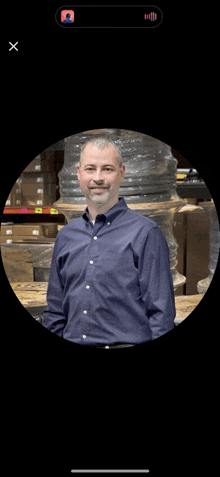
[30, 210]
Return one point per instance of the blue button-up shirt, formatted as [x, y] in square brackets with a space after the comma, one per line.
[110, 282]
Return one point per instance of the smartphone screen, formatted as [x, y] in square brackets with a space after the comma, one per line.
[73, 68]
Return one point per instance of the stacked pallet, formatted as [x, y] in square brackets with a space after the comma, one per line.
[36, 185]
[28, 233]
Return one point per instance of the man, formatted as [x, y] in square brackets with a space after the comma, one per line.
[68, 18]
[110, 283]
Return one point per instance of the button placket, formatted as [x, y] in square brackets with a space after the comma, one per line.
[93, 255]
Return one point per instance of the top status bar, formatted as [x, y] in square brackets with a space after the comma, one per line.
[109, 16]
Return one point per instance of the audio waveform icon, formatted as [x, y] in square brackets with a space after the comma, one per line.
[151, 16]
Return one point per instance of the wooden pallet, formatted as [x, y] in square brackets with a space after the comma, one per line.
[31, 294]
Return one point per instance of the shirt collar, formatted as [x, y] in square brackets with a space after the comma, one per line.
[111, 214]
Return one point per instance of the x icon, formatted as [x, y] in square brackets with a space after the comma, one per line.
[13, 46]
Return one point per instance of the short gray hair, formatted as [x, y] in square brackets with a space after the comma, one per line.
[101, 143]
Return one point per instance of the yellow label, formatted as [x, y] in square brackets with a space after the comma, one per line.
[53, 211]
[38, 210]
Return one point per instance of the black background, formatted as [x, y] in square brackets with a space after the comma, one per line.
[144, 408]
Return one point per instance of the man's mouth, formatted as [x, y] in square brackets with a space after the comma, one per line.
[98, 188]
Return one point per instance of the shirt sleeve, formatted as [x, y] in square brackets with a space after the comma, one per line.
[156, 283]
[54, 319]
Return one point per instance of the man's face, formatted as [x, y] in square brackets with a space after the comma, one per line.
[100, 175]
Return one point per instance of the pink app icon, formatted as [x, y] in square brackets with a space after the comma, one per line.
[67, 16]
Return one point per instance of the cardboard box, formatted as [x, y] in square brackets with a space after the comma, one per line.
[17, 264]
[17, 185]
[43, 162]
[39, 177]
[38, 201]
[12, 200]
[20, 259]
[6, 229]
[38, 189]
[38, 194]
[14, 197]
[18, 271]
[4, 239]
[197, 260]
[40, 230]
[8, 202]
[59, 227]
[191, 231]
[16, 201]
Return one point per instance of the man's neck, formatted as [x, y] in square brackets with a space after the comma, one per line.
[96, 209]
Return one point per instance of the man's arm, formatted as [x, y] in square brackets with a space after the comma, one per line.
[54, 319]
[156, 283]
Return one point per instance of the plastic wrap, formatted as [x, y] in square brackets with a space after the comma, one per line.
[20, 259]
[150, 174]
[214, 245]
[149, 184]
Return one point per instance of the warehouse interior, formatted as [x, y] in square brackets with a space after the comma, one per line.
[30, 223]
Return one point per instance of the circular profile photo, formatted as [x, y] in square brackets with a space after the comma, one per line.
[110, 239]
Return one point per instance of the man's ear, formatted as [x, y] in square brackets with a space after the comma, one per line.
[78, 170]
[122, 171]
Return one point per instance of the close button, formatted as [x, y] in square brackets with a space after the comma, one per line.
[13, 46]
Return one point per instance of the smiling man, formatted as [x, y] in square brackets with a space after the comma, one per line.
[100, 173]
[110, 284]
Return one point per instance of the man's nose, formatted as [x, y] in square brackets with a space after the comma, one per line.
[97, 177]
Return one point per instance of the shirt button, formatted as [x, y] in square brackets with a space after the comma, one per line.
[95, 238]
[108, 223]
[91, 261]
[84, 312]
[84, 337]
[87, 286]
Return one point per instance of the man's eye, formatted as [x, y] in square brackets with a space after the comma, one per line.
[106, 169]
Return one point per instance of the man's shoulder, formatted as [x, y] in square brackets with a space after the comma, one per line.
[141, 220]
[75, 224]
